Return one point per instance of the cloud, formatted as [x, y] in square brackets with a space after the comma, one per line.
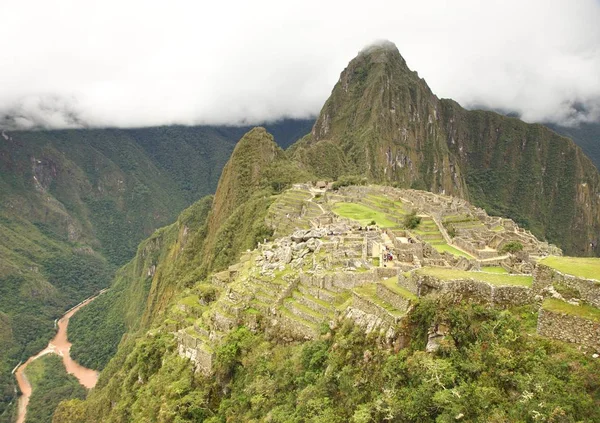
[143, 62]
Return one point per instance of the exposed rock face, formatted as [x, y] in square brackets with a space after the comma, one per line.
[382, 121]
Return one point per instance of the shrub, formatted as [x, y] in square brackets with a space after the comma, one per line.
[411, 221]
[451, 231]
[512, 247]
[345, 181]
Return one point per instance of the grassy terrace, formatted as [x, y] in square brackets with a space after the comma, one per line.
[494, 269]
[443, 273]
[369, 291]
[583, 267]
[284, 311]
[450, 249]
[393, 286]
[584, 311]
[386, 203]
[362, 214]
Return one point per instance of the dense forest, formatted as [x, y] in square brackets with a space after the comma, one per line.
[490, 368]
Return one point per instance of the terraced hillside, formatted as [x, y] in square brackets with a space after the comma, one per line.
[347, 256]
[330, 260]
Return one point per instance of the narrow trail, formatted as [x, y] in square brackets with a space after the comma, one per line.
[314, 193]
[61, 346]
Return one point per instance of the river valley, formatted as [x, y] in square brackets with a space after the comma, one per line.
[61, 346]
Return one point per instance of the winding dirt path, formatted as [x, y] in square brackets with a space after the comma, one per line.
[61, 346]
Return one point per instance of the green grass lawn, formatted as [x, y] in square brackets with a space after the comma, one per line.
[362, 214]
[385, 202]
[450, 249]
[443, 273]
[393, 286]
[585, 311]
[494, 269]
[583, 267]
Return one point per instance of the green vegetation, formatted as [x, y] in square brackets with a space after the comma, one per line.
[443, 273]
[582, 267]
[51, 384]
[493, 269]
[585, 135]
[363, 214]
[411, 221]
[452, 250]
[345, 181]
[585, 311]
[392, 284]
[511, 247]
[487, 369]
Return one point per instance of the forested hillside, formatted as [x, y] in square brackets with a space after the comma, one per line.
[490, 365]
[585, 135]
[74, 205]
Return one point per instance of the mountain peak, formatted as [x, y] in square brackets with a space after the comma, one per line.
[382, 51]
[380, 48]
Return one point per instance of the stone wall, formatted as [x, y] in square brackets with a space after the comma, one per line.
[370, 307]
[193, 348]
[461, 289]
[588, 289]
[408, 282]
[569, 328]
[340, 281]
[291, 327]
[398, 301]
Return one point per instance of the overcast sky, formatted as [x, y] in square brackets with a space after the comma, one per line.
[139, 63]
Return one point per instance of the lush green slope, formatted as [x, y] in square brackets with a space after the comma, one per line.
[79, 202]
[207, 236]
[96, 330]
[490, 369]
[528, 173]
[383, 122]
[586, 136]
[51, 384]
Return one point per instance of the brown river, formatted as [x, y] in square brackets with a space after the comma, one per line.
[61, 346]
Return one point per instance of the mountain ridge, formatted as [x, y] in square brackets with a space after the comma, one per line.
[382, 121]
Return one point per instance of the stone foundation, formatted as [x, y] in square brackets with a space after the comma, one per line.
[370, 307]
[569, 328]
[458, 290]
[196, 350]
[589, 290]
[398, 301]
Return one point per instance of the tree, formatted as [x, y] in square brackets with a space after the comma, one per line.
[512, 247]
[411, 221]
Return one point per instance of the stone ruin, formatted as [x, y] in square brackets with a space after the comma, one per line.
[325, 268]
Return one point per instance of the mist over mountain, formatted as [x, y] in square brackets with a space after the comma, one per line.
[165, 69]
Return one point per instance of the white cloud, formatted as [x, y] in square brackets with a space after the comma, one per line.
[137, 63]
